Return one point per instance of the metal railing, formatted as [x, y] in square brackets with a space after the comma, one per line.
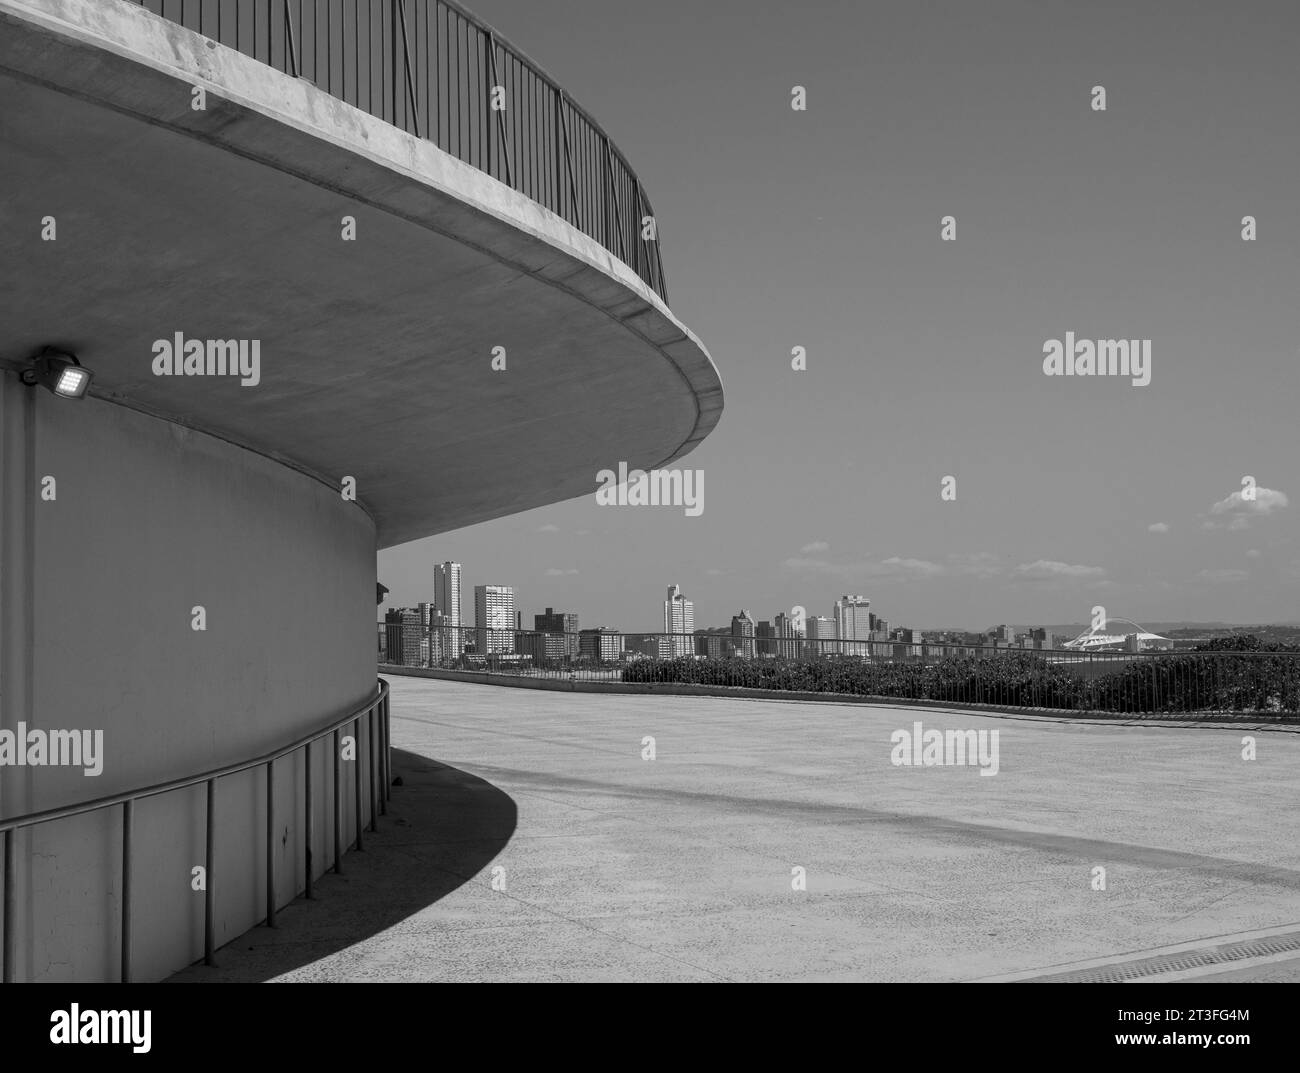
[438, 72]
[379, 765]
[1168, 683]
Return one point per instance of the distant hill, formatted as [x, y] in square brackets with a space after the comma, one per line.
[1197, 629]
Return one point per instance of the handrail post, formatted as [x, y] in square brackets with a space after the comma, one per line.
[618, 210]
[338, 809]
[356, 777]
[372, 756]
[209, 915]
[388, 751]
[406, 58]
[9, 912]
[291, 47]
[270, 843]
[309, 820]
[490, 41]
[568, 160]
[128, 821]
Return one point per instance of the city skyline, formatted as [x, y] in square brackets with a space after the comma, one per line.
[498, 607]
[927, 363]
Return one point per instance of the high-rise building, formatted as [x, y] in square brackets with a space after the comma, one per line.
[446, 592]
[649, 645]
[679, 618]
[402, 636]
[717, 645]
[427, 611]
[765, 638]
[561, 622]
[742, 634]
[820, 632]
[789, 639]
[853, 618]
[443, 642]
[542, 647]
[494, 617]
[601, 643]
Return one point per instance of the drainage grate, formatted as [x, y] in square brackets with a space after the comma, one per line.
[1187, 959]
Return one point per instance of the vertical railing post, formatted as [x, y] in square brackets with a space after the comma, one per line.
[388, 744]
[568, 159]
[387, 755]
[128, 821]
[270, 843]
[372, 756]
[209, 907]
[291, 45]
[490, 43]
[406, 54]
[338, 809]
[309, 820]
[9, 912]
[555, 143]
[356, 777]
[618, 211]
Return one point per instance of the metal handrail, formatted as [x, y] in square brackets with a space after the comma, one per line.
[1160, 683]
[379, 763]
[559, 155]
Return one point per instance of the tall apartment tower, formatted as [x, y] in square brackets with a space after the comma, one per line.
[402, 635]
[561, 622]
[820, 630]
[494, 615]
[446, 592]
[853, 624]
[789, 639]
[853, 618]
[743, 633]
[679, 617]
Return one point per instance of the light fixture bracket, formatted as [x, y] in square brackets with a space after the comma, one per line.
[59, 372]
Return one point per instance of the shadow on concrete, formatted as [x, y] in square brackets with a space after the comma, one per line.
[443, 827]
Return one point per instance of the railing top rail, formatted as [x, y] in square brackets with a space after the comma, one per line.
[584, 211]
[31, 819]
[509, 46]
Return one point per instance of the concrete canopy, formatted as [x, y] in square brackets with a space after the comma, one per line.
[376, 354]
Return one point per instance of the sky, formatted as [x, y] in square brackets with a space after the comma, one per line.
[822, 229]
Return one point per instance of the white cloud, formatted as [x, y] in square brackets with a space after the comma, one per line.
[912, 568]
[815, 547]
[974, 564]
[891, 569]
[1238, 512]
[548, 528]
[1158, 527]
[1221, 577]
[1252, 553]
[1051, 570]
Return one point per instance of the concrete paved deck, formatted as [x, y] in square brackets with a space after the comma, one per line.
[619, 868]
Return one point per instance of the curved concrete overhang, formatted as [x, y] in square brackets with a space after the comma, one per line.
[375, 354]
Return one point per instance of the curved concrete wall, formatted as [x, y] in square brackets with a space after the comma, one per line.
[376, 353]
[97, 588]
